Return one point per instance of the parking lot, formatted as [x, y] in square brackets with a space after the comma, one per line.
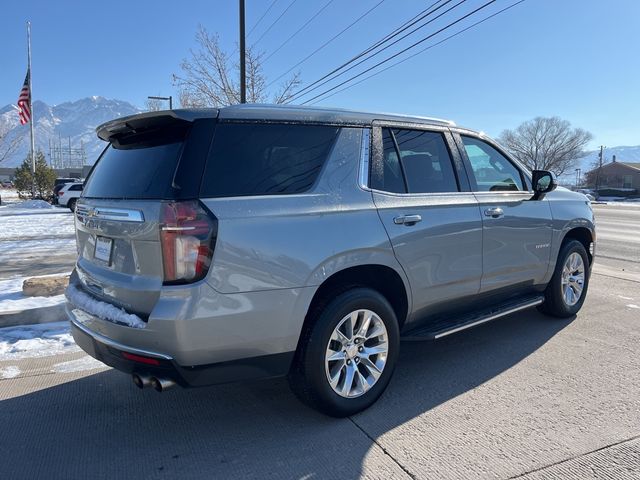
[525, 396]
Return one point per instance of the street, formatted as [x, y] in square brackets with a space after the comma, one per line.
[618, 242]
[525, 396]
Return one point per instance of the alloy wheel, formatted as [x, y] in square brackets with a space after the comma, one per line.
[573, 275]
[356, 353]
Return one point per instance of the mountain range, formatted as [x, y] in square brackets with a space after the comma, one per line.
[622, 154]
[75, 121]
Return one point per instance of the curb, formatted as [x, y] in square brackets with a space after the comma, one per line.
[54, 313]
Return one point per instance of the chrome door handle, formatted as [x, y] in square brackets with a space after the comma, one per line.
[407, 220]
[494, 212]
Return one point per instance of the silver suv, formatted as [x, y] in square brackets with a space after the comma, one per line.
[260, 241]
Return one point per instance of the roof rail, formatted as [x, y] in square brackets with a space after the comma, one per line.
[451, 123]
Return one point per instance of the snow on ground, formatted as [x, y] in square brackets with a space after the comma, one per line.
[628, 203]
[40, 340]
[37, 226]
[81, 365]
[12, 210]
[29, 237]
[32, 249]
[29, 204]
[12, 299]
[9, 372]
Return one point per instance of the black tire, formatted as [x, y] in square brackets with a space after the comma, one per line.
[72, 204]
[554, 303]
[308, 378]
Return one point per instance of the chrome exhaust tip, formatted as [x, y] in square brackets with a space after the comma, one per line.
[141, 381]
[161, 384]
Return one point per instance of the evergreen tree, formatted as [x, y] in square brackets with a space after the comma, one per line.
[45, 177]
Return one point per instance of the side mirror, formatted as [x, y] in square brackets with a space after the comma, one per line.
[543, 183]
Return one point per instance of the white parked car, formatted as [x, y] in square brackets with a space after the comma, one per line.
[69, 194]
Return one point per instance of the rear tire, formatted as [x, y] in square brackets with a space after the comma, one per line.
[567, 289]
[337, 370]
[72, 204]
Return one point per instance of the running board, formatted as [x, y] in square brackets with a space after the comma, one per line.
[441, 329]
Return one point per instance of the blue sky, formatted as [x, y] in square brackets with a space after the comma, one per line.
[577, 59]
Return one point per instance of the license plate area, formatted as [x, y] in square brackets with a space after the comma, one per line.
[104, 246]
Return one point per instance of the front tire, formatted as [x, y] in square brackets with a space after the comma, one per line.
[72, 204]
[347, 353]
[567, 289]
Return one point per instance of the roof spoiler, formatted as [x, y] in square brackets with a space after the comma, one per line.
[142, 122]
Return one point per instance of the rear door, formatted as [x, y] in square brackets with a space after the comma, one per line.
[432, 219]
[516, 230]
[118, 216]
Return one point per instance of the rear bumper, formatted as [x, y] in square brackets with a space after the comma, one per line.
[110, 352]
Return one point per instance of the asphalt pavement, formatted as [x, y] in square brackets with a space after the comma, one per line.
[525, 396]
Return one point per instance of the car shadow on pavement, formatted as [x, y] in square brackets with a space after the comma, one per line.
[102, 426]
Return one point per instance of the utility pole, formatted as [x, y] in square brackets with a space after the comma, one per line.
[600, 161]
[578, 171]
[243, 76]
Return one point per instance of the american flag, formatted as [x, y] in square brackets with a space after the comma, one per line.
[24, 102]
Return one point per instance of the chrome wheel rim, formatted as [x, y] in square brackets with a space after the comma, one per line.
[572, 279]
[356, 353]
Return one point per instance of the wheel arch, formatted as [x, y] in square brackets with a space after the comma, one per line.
[582, 235]
[381, 278]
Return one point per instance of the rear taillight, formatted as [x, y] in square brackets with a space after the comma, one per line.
[187, 233]
[60, 194]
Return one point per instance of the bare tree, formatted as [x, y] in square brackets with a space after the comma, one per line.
[154, 104]
[546, 143]
[209, 77]
[8, 144]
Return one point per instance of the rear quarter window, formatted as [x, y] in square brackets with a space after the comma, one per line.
[265, 159]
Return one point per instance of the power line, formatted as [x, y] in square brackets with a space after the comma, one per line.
[402, 51]
[328, 41]
[299, 30]
[419, 52]
[275, 21]
[261, 18]
[409, 23]
[423, 14]
[310, 88]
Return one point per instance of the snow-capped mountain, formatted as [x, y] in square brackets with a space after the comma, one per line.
[622, 154]
[588, 161]
[76, 120]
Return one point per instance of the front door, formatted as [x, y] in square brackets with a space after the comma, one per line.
[517, 231]
[434, 227]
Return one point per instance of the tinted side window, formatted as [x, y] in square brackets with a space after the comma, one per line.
[426, 161]
[265, 159]
[75, 188]
[391, 178]
[492, 171]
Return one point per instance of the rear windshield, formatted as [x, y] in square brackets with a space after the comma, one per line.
[135, 173]
[265, 159]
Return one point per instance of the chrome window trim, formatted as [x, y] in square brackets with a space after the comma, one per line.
[365, 158]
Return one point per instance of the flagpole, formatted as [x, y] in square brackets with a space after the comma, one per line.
[33, 141]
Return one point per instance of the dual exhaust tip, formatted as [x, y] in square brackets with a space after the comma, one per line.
[158, 384]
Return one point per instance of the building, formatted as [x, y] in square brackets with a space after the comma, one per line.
[615, 175]
[7, 173]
